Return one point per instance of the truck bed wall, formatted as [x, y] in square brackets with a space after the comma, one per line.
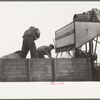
[60, 69]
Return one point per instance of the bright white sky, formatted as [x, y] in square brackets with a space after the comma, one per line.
[16, 17]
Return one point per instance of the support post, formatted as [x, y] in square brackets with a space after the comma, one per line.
[96, 45]
[53, 69]
[86, 47]
[91, 60]
[29, 70]
[1, 70]
[61, 54]
[57, 55]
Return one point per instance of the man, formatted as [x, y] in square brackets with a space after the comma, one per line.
[29, 37]
[45, 50]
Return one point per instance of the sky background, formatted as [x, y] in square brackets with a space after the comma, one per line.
[16, 17]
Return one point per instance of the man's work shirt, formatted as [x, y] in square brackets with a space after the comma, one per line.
[30, 33]
[44, 50]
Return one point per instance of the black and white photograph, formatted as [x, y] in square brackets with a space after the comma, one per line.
[54, 45]
[55, 41]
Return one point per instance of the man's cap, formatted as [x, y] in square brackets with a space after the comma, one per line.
[36, 29]
[51, 45]
[31, 27]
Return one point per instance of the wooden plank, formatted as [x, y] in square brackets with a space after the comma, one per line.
[29, 70]
[15, 70]
[1, 70]
[53, 70]
[72, 70]
[59, 69]
[41, 69]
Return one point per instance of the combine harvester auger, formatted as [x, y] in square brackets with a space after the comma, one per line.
[83, 32]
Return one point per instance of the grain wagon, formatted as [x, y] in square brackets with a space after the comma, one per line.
[82, 31]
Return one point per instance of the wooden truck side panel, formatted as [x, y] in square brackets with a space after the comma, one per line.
[40, 69]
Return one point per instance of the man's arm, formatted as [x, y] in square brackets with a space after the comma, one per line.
[48, 54]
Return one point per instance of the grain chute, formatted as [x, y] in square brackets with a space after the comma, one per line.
[83, 31]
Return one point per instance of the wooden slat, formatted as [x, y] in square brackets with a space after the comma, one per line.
[41, 69]
[59, 69]
[15, 70]
[72, 70]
